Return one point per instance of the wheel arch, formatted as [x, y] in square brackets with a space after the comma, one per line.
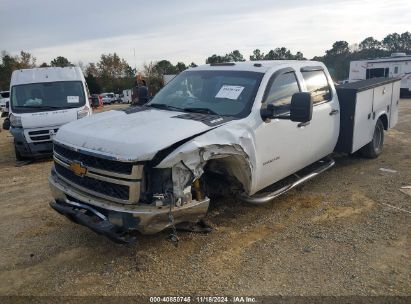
[228, 159]
[384, 119]
[236, 166]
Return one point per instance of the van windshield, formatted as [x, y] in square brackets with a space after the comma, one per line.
[47, 96]
[226, 93]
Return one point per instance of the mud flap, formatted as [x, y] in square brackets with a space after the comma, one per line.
[98, 225]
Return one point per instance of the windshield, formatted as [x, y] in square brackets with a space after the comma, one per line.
[46, 96]
[226, 93]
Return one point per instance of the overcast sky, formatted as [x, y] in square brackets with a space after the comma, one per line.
[190, 30]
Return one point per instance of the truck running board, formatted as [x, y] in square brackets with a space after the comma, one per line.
[310, 172]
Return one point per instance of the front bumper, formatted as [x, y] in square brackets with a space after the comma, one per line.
[26, 149]
[120, 218]
[99, 225]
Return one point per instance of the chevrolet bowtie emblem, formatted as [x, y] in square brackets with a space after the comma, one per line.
[78, 169]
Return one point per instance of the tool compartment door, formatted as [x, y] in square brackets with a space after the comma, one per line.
[382, 98]
[395, 100]
[363, 120]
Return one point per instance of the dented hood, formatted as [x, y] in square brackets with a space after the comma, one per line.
[135, 136]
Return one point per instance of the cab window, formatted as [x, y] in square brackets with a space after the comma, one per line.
[281, 91]
[317, 85]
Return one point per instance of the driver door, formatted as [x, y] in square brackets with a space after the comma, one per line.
[283, 147]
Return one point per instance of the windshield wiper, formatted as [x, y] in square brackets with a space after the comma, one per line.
[200, 110]
[163, 107]
[37, 107]
[47, 107]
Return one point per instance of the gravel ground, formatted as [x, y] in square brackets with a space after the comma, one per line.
[339, 234]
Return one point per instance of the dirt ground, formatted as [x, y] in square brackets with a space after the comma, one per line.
[347, 232]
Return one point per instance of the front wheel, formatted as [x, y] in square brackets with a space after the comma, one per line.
[374, 148]
[18, 155]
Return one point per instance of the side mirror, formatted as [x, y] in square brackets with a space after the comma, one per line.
[301, 109]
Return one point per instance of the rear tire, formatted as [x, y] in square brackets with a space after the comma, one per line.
[374, 148]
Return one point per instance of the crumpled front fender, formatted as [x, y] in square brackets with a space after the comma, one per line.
[235, 144]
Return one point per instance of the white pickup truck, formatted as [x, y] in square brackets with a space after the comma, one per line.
[240, 127]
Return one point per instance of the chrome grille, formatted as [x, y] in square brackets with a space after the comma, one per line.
[113, 180]
[95, 162]
[110, 189]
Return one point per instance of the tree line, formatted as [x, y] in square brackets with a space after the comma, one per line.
[337, 59]
[113, 74]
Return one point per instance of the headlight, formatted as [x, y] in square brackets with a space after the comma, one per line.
[83, 113]
[15, 121]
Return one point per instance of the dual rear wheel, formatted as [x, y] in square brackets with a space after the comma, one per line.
[374, 148]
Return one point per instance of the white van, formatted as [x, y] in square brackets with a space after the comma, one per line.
[4, 99]
[41, 100]
[126, 96]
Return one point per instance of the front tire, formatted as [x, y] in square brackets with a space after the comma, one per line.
[374, 148]
[18, 155]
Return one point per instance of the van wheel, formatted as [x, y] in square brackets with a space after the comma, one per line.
[18, 155]
[374, 148]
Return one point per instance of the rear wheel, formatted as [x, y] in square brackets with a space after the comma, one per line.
[374, 148]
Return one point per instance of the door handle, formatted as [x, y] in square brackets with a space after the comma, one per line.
[334, 112]
[303, 124]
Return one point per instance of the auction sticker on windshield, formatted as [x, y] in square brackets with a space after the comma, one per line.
[229, 92]
[72, 99]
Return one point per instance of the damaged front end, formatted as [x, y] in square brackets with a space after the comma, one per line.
[118, 198]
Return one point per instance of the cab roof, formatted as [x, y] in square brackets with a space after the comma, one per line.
[261, 66]
[49, 74]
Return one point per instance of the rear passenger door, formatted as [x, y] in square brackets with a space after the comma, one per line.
[325, 124]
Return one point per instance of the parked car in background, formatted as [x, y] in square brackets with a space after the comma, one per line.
[117, 98]
[41, 101]
[108, 98]
[96, 101]
[4, 99]
[126, 96]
